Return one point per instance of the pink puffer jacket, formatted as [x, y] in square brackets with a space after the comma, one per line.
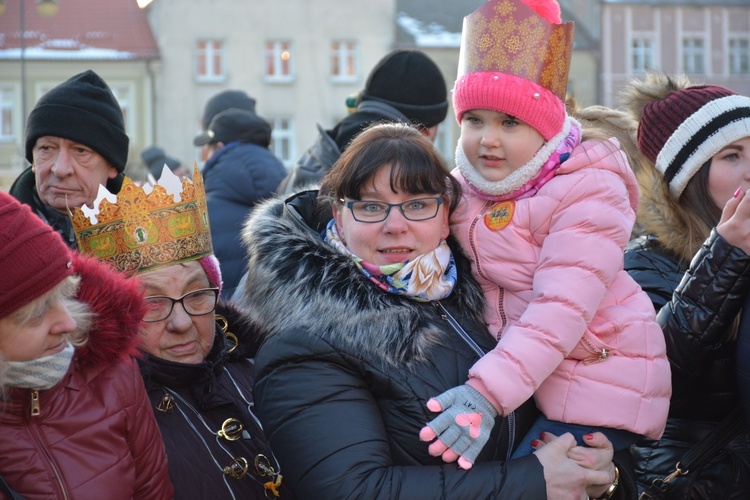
[557, 297]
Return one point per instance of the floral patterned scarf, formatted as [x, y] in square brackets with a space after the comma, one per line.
[430, 276]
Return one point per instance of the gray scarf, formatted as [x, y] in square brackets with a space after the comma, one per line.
[42, 373]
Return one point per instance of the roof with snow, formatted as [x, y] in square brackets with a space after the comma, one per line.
[80, 30]
[426, 23]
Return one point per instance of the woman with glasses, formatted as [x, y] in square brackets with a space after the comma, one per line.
[197, 350]
[366, 315]
[198, 375]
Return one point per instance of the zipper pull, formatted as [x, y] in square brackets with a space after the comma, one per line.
[35, 410]
[603, 354]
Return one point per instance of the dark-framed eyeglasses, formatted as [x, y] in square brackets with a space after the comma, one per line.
[377, 211]
[195, 303]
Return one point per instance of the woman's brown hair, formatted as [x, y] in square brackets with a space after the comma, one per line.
[416, 166]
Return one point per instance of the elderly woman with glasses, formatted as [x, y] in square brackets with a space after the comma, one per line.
[369, 309]
[197, 350]
[198, 376]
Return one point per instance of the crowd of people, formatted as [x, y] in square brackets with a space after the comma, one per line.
[561, 316]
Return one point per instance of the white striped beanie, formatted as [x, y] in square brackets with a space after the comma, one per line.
[683, 131]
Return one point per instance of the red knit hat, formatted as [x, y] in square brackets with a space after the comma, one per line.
[681, 132]
[33, 256]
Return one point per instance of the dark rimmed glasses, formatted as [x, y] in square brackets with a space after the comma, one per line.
[195, 303]
[377, 211]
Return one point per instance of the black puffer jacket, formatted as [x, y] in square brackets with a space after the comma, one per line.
[343, 377]
[697, 307]
[191, 404]
[697, 321]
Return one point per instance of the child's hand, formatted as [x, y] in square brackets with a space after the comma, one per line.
[463, 427]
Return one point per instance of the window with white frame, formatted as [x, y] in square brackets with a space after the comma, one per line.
[739, 56]
[693, 56]
[124, 95]
[7, 109]
[344, 61]
[642, 54]
[278, 61]
[282, 141]
[209, 60]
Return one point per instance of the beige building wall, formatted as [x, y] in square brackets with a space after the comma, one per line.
[244, 27]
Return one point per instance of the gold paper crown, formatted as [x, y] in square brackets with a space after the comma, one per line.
[142, 229]
[508, 36]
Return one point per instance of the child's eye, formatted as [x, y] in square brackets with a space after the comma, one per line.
[510, 123]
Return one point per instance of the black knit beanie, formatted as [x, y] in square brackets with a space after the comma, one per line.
[226, 100]
[411, 82]
[81, 109]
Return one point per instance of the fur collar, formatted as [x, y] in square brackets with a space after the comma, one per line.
[659, 214]
[296, 281]
[117, 306]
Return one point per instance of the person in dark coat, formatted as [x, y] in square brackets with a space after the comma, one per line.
[365, 318]
[74, 417]
[196, 362]
[693, 262]
[239, 173]
[75, 141]
[404, 86]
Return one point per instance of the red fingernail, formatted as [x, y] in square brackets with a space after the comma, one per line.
[588, 437]
[534, 443]
[541, 436]
[737, 193]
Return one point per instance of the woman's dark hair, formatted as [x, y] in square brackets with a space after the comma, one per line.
[416, 166]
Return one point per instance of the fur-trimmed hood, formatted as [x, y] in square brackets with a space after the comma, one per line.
[297, 281]
[117, 306]
[659, 215]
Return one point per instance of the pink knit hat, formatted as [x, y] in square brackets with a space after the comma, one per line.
[33, 256]
[514, 58]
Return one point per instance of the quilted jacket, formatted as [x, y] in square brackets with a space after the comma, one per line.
[575, 329]
[95, 435]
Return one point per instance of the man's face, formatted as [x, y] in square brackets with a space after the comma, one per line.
[68, 173]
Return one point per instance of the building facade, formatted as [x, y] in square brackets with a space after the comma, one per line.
[300, 59]
[709, 40]
[40, 48]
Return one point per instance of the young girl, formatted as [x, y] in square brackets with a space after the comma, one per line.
[545, 218]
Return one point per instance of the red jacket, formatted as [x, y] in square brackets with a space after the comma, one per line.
[95, 435]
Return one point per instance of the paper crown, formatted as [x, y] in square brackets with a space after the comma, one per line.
[142, 229]
[508, 36]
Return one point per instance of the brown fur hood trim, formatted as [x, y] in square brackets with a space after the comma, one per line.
[658, 213]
